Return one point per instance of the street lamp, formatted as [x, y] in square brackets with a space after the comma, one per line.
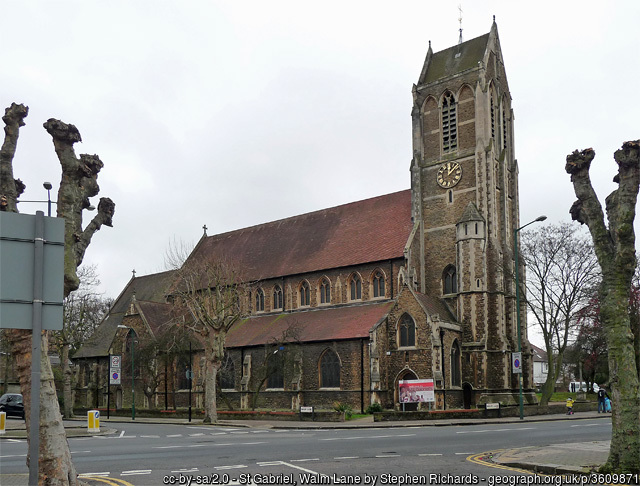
[133, 389]
[48, 186]
[515, 245]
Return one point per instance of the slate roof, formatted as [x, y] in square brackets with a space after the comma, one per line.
[448, 63]
[150, 288]
[317, 324]
[435, 305]
[365, 231]
[471, 213]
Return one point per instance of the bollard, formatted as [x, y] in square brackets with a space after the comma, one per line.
[93, 421]
[3, 422]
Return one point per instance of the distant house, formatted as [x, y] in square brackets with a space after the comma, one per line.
[540, 365]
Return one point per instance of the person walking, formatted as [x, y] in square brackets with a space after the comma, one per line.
[602, 394]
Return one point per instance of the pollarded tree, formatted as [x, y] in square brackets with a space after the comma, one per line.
[562, 271]
[615, 248]
[78, 184]
[207, 302]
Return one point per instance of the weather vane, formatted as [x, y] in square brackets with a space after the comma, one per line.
[460, 20]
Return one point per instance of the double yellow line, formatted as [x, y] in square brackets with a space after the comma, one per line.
[106, 480]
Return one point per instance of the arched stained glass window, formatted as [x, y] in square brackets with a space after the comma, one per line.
[329, 370]
[406, 331]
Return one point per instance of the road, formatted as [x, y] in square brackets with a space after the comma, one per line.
[146, 454]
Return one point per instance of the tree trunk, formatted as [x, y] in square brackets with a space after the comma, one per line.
[55, 466]
[67, 375]
[615, 249]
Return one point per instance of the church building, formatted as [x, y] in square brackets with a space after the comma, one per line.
[343, 303]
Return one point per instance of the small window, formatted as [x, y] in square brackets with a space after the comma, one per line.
[259, 300]
[378, 284]
[277, 297]
[450, 280]
[456, 378]
[305, 294]
[449, 123]
[407, 331]
[355, 287]
[329, 370]
[450, 196]
[504, 126]
[493, 120]
[325, 291]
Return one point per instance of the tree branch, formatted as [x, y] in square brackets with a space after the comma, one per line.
[10, 188]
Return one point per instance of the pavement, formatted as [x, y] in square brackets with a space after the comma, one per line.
[557, 459]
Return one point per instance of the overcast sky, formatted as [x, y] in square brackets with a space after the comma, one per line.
[236, 113]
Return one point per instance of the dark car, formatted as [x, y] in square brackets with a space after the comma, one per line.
[12, 405]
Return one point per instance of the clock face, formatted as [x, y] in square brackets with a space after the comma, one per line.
[449, 174]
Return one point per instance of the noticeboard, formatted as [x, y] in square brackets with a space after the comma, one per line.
[17, 270]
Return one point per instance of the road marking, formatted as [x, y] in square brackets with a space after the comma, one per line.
[108, 480]
[122, 434]
[588, 425]
[369, 437]
[305, 460]
[422, 455]
[348, 457]
[14, 455]
[80, 452]
[462, 453]
[192, 427]
[239, 432]
[135, 472]
[298, 467]
[193, 469]
[218, 433]
[196, 435]
[493, 430]
[168, 447]
[174, 435]
[239, 466]
[149, 436]
[259, 431]
[388, 455]
[84, 475]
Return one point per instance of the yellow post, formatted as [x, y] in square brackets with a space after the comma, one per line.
[93, 421]
[3, 422]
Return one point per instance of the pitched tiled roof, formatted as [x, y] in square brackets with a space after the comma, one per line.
[151, 288]
[434, 305]
[318, 324]
[456, 59]
[371, 230]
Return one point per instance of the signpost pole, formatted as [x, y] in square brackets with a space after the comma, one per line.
[36, 349]
[109, 388]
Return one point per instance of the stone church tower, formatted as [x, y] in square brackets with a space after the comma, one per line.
[464, 183]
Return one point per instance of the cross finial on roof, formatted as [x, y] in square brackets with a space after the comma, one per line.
[205, 229]
[134, 273]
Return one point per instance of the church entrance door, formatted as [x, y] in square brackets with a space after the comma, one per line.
[408, 407]
[467, 392]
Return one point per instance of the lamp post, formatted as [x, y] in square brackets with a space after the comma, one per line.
[515, 246]
[133, 389]
[48, 186]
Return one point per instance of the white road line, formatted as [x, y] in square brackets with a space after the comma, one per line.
[169, 447]
[152, 436]
[14, 440]
[588, 425]
[369, 437]
[239, 466]
[429, 454]
[14, 455]
[94, 474]
[196, 435]
[193, 427]
[305, 460]
[80, 452]
[493, 430]
[239, 432]
[269, 463]
[348, 457]
[389, 455]
[298, 467]
[259, 431]
[193, 469]
[218, 433]
[463, 453]
[174, 435]
[135, 472]
[122, 434]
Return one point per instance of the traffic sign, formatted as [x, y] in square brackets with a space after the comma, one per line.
[516, 361]
[114, 378]
[116, 361]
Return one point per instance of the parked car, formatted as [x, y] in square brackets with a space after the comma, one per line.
[12, 405]
[576, 386]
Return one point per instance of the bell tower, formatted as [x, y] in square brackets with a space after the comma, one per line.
[464, 181]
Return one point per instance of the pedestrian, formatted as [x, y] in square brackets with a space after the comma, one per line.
[569, 406]
[602, 394]
[607, 404]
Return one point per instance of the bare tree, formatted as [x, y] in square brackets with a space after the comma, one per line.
[562, 271]
[615, 248]
[78, 184]
[83, 312]
[207, 299]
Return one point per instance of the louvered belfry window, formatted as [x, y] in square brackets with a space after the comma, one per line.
[449, 123]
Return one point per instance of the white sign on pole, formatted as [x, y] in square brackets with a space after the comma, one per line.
[116, 361]
[114, 377]
[516, 362]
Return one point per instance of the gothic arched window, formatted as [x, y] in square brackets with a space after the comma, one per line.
[277, 297]
[456, 376]
[355, 287]
[275, 370]
[449, 123]
[406, 331]
[325, 291]
[378, 284]
[450, 280]
[259, 300]
[305, 294]
[329, 370]
[227, 373]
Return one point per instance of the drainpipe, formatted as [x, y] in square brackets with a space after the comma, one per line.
[362, 376]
